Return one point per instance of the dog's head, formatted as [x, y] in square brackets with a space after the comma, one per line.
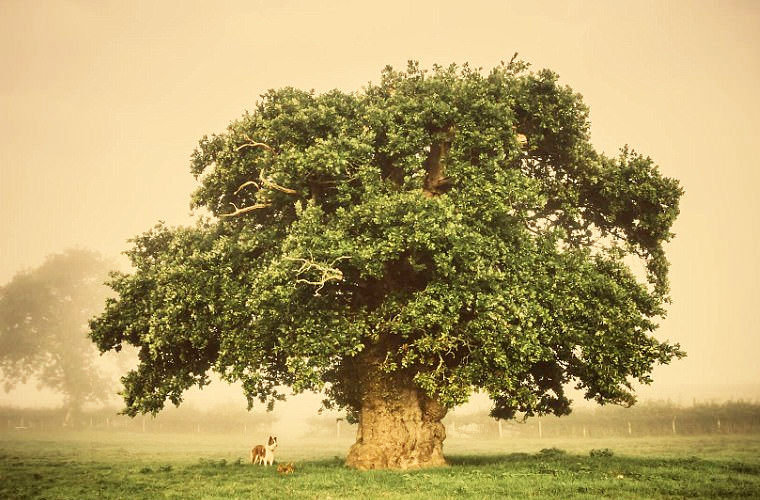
[272, 442]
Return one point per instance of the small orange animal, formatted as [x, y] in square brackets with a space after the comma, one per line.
[286, 468]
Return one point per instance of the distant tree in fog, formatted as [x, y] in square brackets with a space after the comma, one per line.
[43, 326]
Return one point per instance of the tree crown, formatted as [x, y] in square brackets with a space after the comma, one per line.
[462, 221]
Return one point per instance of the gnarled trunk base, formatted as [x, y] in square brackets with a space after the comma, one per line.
[399, 427]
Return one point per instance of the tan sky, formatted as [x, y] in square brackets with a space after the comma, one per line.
[101, 104]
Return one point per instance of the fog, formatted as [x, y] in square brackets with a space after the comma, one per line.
[102, 103]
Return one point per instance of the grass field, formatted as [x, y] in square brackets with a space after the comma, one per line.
[80, 465]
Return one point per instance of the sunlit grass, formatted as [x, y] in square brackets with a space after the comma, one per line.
[144, 465]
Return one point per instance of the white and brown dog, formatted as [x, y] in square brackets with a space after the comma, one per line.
[264, 454]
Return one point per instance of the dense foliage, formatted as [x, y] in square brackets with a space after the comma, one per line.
[43, 326]
[460, 219]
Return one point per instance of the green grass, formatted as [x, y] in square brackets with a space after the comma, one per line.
[101, 465]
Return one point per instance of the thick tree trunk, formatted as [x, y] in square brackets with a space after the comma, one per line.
[399, 425]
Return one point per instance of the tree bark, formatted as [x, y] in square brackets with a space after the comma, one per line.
[399, 425]
[436, 182]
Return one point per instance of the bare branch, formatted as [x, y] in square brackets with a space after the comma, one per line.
[326, 272]
[263, 179]
[244, 210]
[254, 144]
[272, 185]
[342, 257]
[249, 183]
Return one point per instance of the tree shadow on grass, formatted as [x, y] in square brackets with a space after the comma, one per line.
[545, 454]
[585, 462]
[464, 460]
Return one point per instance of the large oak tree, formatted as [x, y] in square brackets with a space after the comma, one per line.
[398, 247]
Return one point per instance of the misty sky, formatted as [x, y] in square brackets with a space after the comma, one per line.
[102, 103]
